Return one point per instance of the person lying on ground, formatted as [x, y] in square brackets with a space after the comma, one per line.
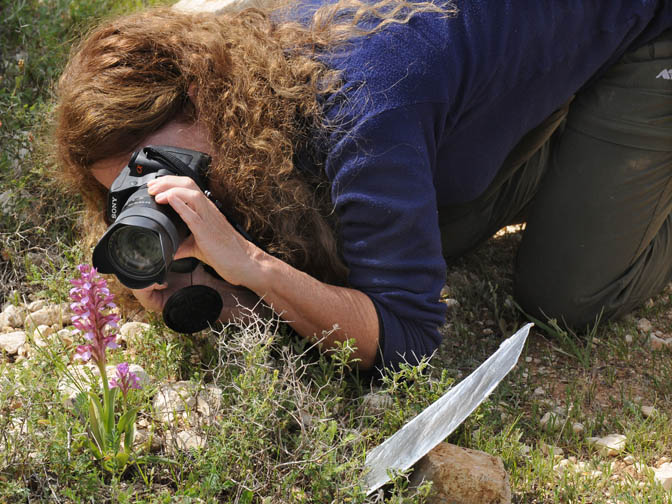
[365, 144]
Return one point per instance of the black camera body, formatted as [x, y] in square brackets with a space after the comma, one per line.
[143, 237]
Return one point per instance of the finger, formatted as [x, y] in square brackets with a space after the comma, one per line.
[193, 198]
[192, 208]
[166, 182]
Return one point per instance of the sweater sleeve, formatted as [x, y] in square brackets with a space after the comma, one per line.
[385, 202]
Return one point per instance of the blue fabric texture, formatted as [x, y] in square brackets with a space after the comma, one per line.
[428, 112]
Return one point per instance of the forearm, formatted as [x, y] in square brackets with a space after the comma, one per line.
[314, 308]
[311, 307]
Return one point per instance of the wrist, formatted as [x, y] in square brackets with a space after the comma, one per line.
[259, 272]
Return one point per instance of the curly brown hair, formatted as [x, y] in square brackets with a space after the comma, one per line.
[258, 87]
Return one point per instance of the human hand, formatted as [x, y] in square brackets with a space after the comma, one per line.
[213, 240]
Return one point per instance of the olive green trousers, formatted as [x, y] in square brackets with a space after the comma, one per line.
[594, 185]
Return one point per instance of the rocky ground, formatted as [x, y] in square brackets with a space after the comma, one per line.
[549, 401]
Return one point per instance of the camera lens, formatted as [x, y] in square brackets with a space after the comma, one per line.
[136, 250]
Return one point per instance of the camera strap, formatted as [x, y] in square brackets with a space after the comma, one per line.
[172, 161]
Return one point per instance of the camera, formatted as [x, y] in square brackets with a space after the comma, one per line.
[140, 244]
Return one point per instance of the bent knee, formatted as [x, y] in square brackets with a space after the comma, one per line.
[557, 298]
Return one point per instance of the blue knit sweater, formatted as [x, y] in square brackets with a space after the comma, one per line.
[429, 111]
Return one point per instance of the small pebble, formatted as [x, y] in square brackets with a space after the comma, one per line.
[451, 303]
[656, 343]
[644, 325]
[610, 445]
[648, 411]
[551, 421]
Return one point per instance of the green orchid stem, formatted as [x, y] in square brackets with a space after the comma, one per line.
[108, 403]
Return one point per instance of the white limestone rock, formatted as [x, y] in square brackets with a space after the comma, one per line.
[189, 440]
[36, 305]
[12, 317]
[657, 343]
[187, 400]
[610, 445]
[130, 331]
[644, 325]
[551, 421]
[663, 475]
[49, 315]
[648, 411]
[12, 341]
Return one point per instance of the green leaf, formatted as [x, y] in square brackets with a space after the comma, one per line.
[126, 419]
[95, 419]
[130, 437]
[95, 450]
[247, 496]
[112, 396]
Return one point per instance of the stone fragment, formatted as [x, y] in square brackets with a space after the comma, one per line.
[657, 343]
[183, 397]
[12, 316]
[610, 445]
[551, 421]
[628, 338]
[132, 330]
[663, 475]
[147, 439]
[375, 402]
[66, 336]
[562, 465]
[36, 305]
[648, 411]
[49, 315]
[629, 460]
[463, 476]
[547, 449]
[41, 335]
[186, 440]
[25, 351]
[539, 391]
[644, 325]
[12, 341]
[451, 302]
[641, 468]
[578, 427]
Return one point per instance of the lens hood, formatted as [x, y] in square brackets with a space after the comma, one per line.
[107, 260]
